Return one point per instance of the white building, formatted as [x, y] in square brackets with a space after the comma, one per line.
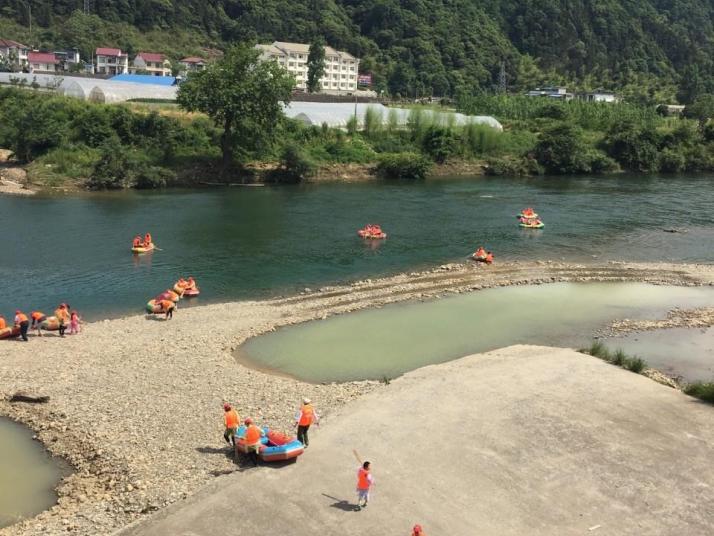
[111, 61]
[341, 68]
[601, 96]
[153, 63]
[42, 62]
[14, 52]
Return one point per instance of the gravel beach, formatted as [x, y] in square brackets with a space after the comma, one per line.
[135, 403]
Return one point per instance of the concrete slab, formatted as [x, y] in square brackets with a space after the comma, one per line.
[520, 441]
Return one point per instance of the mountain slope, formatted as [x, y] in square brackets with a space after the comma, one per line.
[419, 46]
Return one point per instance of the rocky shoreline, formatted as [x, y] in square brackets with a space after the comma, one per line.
[135, 404]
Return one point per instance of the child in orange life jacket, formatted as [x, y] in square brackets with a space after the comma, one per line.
[364, 483]
[304, 418]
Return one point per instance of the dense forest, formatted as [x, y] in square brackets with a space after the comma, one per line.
[651, 50]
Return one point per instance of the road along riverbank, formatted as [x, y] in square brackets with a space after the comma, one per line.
[135, 404]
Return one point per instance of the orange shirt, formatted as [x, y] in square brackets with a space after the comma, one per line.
[252, 435]
[231, 418]
[3, 325]
[363, 479]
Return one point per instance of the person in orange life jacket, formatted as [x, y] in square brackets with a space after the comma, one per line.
[136, 243]
[231, 420]
[489, 258]
[418, 531]
[23, 323]
[37, 318]
[304, 418]
[252, 437]
[364, 482]
[62, 315]
[167, 307]
[147, 240]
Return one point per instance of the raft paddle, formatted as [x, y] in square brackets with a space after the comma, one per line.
[354, 451]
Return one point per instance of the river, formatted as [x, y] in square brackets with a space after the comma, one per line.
[255, 242]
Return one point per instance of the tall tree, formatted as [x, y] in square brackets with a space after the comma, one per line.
[315, 65]
[241, 93]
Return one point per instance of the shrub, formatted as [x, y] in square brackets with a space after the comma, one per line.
[561, 149]
[633, 145]
[113, 171]
[295, 164]
[619, 358]
[154, 177]
[552, 110]
[672, 161]
[598, 349]
[512, 166]
[701, 390]
[439, 143]
[403, 166]
[635, 364]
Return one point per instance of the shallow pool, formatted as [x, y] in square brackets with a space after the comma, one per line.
[684, 352]
[387, 342]
[28, 474]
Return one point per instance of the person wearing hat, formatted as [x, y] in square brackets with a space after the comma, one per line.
[23, 323]
[231, 420]
[252, 437]
[305, 416]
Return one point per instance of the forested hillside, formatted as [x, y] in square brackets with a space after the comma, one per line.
[652, 50]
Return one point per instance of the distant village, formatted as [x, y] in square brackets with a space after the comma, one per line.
[341, 76]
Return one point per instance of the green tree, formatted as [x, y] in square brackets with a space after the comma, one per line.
[634, 146]
[241, 94]
[702, 109]
[561, 149]
[315, 65]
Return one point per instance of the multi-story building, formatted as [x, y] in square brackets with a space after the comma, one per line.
[42, 62]
[152, 63]
[192, 64]
[68, 59]
[341, 68]
[111, 61]
[13, 53]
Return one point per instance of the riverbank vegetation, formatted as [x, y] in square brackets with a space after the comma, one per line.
[618, 358]
[64, 141]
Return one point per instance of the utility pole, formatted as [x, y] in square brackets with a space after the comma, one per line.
[502, 82]
[86, 7]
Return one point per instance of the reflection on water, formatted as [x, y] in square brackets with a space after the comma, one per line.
[397, 338]
[252, 242]
[684, 352]
[28, 475]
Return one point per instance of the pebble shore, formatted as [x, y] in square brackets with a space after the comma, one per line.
[135, 403]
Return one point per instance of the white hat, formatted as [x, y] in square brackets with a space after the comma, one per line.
[306, 401]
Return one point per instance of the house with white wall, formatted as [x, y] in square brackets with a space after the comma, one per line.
[42, 62]
[111, 61]
[152, 63]
[13, 53]
[192, 64]
[341, 68]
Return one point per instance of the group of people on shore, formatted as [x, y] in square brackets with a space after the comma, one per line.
[63, 317]
[304, 418]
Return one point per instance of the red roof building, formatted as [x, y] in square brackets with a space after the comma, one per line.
[151, 63]
[9, 43]
[151, 56]
[108, 52]
[42, 57]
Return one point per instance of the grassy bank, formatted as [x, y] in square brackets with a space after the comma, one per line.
[65, 142]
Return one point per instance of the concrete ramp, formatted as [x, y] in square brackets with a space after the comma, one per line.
[521, 441]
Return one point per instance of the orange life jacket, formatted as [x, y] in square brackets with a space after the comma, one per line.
[20, 318]
[252, 435]
[61, 314]
[137, 242]
[489, 258]
[2, 323]
[147, 239]
[232, 419]
[362, 480]
[36, 315]
[307, 415]
[166, 305]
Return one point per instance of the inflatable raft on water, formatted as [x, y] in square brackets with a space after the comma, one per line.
[274, 446]
[9, 332]
[532, 225]
[364, 233]
[142, 249]
[191, 292]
